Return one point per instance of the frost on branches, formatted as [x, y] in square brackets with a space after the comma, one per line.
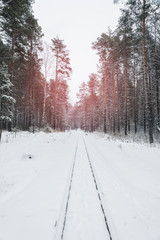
[6, 100]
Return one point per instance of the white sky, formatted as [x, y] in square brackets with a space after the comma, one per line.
[78, 23]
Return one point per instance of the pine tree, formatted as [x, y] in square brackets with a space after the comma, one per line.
[34, 34]
[22, 34]
[93, 100]
[14, 14]
[125, 34]
[82, 105]
[143, 12]
[6, 100]
[102, 46]
[62, 71]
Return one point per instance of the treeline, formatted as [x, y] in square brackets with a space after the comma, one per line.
[123, 96]
[27, 99]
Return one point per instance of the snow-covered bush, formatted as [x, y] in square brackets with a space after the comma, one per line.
[48, 129]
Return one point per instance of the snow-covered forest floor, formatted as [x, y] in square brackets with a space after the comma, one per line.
[35, 173]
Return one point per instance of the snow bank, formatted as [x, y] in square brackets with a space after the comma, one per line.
[129, 175]
[33, 173]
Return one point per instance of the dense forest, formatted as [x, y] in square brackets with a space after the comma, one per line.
[121, 97]
[27, 99]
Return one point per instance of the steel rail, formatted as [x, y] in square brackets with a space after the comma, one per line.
[69, 191]
[98, 191]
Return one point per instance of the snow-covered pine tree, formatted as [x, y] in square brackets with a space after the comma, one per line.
[6, 100]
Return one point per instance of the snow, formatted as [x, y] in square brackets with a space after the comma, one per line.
[85, 218]
[129, 175]
[35, 172]
[31, 189]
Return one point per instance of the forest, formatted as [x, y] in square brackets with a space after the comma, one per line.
[122, 97]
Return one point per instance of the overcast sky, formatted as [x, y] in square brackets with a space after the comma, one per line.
[78, 23]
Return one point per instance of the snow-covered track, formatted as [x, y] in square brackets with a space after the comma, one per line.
[75, 186]
[98, 191]
[69, 191]
[60, 225]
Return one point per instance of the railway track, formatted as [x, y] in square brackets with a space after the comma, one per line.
[82, 180]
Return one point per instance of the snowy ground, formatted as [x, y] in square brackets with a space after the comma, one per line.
[35, 172]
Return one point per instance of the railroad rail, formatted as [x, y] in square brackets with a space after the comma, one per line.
[60, 233]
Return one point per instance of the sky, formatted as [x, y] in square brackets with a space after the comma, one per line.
[78, 23]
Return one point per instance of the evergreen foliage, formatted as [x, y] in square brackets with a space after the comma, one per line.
[6, 99]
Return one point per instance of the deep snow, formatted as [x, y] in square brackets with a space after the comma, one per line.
[34, 173]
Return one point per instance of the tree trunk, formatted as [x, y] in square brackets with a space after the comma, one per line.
[157, 99]
[135, 101]
[118, 104]
[105, 99]
[12, 57]
[126, 96]
[44, 104]
[55, 94]
[11, 71]
[157, 79]
[144, 64]
[114, 101]
[0, 129]
[150, 111]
